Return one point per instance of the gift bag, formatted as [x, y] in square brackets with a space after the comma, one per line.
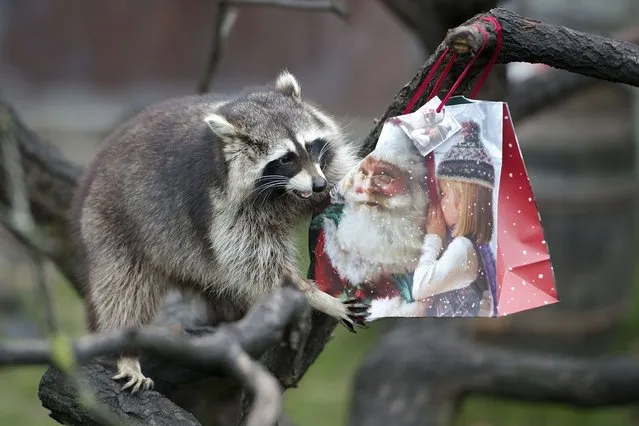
[439, 220]
[474, 249]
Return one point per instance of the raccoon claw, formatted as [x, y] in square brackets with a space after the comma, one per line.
[130, 369]
[356, 304]
[360, 321]
[357, 312]
[137, 383]
[348, 326]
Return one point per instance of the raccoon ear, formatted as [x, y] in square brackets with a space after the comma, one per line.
[220, 126]
[288, 85]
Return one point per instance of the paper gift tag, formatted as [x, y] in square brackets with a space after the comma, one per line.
[426, 127]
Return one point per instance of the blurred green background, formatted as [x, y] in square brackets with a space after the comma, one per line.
[323, 396]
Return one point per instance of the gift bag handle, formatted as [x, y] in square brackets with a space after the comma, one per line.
[489, 66]
[430, 158]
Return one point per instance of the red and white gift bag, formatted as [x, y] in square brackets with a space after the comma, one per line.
[439, 220]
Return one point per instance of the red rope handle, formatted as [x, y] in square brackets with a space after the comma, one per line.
[430, 158]
[463, 74]
[493, 59]
[411, 103]
[433, 193]
[442, 76]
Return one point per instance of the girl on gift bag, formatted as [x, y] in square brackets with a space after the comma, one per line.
[462, 281]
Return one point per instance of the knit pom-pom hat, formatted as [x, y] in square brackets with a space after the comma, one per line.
[468, 159]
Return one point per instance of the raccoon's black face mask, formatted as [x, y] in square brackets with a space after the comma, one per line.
[279, 145]
[299, 171]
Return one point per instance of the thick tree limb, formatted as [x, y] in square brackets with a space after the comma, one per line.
[524, 40]
[228, 350]
[148, 408]
[535, 93]
[419, 374]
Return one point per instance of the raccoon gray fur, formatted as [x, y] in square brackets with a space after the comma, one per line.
[203, 193]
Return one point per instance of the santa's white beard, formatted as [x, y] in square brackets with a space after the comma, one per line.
[370, 241]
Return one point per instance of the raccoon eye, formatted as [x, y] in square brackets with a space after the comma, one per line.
[316, 147]
[287, 159]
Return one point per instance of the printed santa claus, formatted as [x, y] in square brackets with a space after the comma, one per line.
[369, 240]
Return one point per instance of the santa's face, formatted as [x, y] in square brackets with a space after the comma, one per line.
[377, 183]
[381, 229]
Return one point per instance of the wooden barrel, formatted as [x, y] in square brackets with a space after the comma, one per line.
[581, 160]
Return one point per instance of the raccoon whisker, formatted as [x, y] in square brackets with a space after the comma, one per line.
[322, 152]
[263, 199]
[267, 182]
[260, 189]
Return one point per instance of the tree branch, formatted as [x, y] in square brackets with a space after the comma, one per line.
[225, 19]
[60, 397]
[263, 386]
[535, 93]
[226, 350]
[50, 181]
[443, 366]
[524, 40]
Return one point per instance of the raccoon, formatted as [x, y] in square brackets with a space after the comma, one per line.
[203, 193]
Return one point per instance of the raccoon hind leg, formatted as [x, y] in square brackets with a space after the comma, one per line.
[124, 294]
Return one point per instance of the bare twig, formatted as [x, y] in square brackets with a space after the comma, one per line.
[259, 330]
[224, 21]
[264, 388]
[335, 6]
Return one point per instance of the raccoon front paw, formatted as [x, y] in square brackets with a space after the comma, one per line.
[129, 368]
[356, 314]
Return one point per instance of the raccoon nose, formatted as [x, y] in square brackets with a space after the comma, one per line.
[319, 184]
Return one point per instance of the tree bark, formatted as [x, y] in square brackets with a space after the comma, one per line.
[149, 408]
